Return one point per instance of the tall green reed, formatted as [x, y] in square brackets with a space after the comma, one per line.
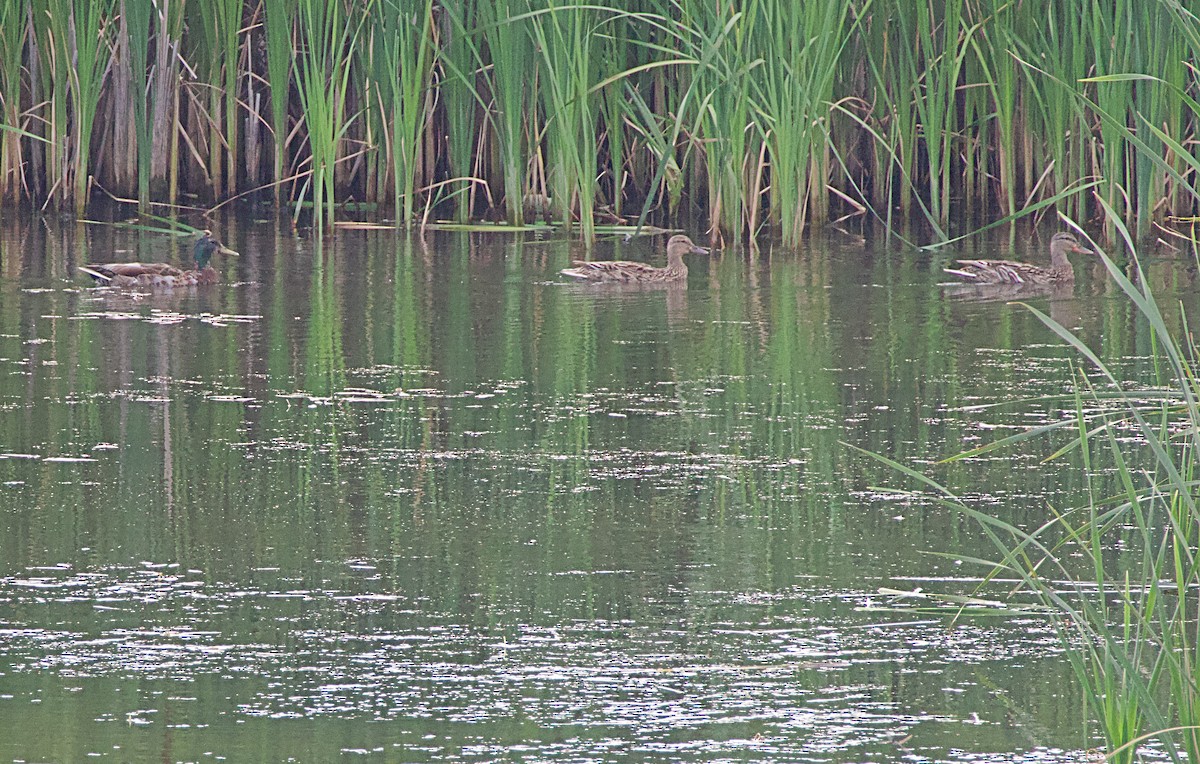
[278, 36]
[130, 139]
[724, 48]
[940, 38]
[658, 96]
[998, 70]
[793, 92]
[83, 29]
[12, 39]
[461, 61]
[1052, 56]
[505, 33]
[65, 73]
[660, 175]
[48, 88]
[893, 127]
[164, 102]
[568, 69]
[400, 71]
[1111, 98]
[614, 55]
[930, 109]
[217, 26]
[1163, 55]
[322, 80]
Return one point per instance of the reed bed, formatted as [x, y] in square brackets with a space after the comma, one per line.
[762, 115]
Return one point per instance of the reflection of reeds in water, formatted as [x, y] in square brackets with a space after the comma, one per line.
[325, 372]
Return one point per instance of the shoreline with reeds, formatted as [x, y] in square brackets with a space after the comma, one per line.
[769, 117]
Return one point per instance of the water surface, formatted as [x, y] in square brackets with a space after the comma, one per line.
[416, 500]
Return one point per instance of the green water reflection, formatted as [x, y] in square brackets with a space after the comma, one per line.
[417, 501]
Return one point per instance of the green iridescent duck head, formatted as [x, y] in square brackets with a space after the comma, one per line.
[206, 247]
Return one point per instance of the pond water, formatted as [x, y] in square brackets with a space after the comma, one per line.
[417, 500]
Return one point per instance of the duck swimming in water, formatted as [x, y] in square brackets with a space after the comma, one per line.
[626, 272]
[162, 275]
[1012, 272]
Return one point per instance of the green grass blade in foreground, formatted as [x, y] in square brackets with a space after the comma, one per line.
[1148, 309]
[946, 497]
[22, 133]
[1129, 635]
[1073, 191]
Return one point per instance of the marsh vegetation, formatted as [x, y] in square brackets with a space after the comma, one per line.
[767, 115]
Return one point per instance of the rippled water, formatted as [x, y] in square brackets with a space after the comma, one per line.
[410, 500]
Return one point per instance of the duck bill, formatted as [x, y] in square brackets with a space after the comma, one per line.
[698, 250]
[224, 250]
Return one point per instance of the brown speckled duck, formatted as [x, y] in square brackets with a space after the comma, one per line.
[626, 272]
[1011, 272]
[162, 275]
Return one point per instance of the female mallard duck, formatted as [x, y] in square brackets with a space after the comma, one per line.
[161, 274]
[1010, 272]
[625, 272]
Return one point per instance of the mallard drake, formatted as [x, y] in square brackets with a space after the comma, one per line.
[1011, 272]
[161, 274]
[626, 272]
